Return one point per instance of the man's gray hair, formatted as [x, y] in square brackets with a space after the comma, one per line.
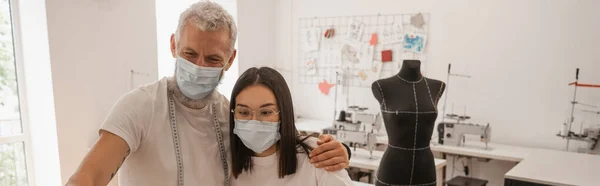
[207, 16]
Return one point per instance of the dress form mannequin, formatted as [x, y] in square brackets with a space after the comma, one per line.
[409, 108]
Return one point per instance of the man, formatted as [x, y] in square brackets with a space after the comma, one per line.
[176, 131]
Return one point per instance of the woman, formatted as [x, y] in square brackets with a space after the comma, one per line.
[265, 146]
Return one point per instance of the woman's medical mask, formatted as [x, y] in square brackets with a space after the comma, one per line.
[258, 136]
[196, 82]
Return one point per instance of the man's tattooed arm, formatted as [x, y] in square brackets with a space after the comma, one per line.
[112, 175]
[102, 162]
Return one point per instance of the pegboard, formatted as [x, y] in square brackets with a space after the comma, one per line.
[328, 56]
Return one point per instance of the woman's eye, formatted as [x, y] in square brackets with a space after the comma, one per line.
[266, 112]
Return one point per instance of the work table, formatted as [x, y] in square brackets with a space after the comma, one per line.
[478, 149]
[535, 165]
[360, 158]
[552, 167]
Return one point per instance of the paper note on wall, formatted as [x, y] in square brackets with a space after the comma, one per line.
[374, 39]
[386, 56]
[393, 34]
[311, 39]
[417, 20]
[325, 87]
[355, 31]
[366, 56]
[336, 58]
[330, 58]
[311, 66]
[362, 75]
[414, 42]
[349, 54]
[374, 73]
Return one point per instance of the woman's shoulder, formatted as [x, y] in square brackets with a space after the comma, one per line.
[306, 170]
[306, 144]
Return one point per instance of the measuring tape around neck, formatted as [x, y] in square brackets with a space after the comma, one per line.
[176, 143]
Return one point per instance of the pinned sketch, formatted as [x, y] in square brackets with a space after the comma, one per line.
[414, 42]
[330, 57]
[354, 72]
[366, 56]
[324, 87]
[349, 54]
[374, 73]
[376, 68]
[355, 30]
[386, 56]
[417, 20]
[387, 35]
[335, 58]
[398, 32]
[311, 39]
[311, 66]
[329, 33]
[362, 75]
[393, 34]
[373, 40]
[362, 48]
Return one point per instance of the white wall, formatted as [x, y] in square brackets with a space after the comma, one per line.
[93, 47]
[520, 54]
[256, 33]
[167, 17]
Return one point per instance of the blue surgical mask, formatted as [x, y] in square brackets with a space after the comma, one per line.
[196, 82]
[258, 136]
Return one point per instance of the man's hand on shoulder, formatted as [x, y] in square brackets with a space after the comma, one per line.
[330, 154]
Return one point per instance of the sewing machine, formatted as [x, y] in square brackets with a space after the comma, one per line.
[592, 136]
[358, 119]
[454, 133]
[357, 127]
[589, 135]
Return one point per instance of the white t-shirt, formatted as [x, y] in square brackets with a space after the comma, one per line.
[265, 172]
[141, 118]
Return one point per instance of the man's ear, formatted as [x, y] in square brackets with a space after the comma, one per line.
[173, 46]
[231, 59]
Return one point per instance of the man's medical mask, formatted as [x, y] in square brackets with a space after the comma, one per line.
[196, 82]
[258, 136]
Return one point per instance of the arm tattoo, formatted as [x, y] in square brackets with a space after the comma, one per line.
[112, 175]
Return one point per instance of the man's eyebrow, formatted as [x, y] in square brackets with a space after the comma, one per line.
[189, 49]
[216, 56]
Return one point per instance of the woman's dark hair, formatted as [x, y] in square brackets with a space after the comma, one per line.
[290, 139]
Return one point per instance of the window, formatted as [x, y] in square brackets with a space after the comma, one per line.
[14, 138]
